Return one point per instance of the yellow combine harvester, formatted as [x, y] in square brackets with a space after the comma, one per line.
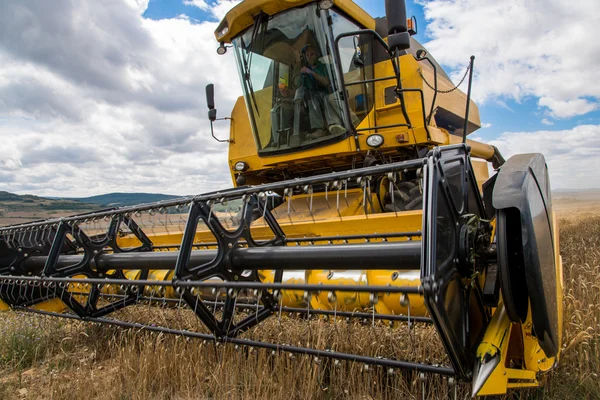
[356, 194]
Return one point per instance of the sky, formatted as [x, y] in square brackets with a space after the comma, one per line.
[99, 97]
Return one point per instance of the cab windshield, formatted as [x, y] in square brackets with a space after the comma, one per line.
[288, 76]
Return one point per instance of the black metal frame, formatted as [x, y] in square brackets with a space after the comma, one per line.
[399, 89]
[451, 201]
[236, 250]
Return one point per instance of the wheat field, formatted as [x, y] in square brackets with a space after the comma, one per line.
[46, 358]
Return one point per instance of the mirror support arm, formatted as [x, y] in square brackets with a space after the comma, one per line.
[213, 133]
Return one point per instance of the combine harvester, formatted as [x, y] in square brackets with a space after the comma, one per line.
[359, 196]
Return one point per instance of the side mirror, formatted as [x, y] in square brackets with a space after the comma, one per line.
[210, 96]
[212, 115]
[212, 111]
[398, 36]
[357, 58]
[210, 102]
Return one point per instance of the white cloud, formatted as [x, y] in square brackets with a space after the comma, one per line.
[540, 48]
[567, 108]
[218, 9]
[486, 125]
[201, 4]
[571, 155]
[503, 104]
[139, 5]
[95, 98]
[546, 121]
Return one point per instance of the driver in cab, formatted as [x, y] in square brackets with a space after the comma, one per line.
[313, 89]
[310, 92]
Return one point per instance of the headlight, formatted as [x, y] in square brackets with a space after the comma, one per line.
[325, 4]
[375, 140]
[221, 49]
[223, 29]
[240, 166]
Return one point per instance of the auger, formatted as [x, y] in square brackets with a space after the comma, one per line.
[356, 196]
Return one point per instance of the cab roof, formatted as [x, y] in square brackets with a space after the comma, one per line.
[242, 16]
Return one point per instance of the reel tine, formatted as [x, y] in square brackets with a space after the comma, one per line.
[289, 192]
[311, 203]
[179, 209]
[149, 302]
[337, 201]
[335, 313]
[151, 218]
[273, 208]
[346, 192]
[363, 186]
[373, 299]
[168, 217]
[391, 183]
[232, 293]
[264, 198]
[217, 293]
[452, 388]
[279, 296]
[210, 212]
[258, 295]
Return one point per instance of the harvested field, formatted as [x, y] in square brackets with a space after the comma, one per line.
[44, 358]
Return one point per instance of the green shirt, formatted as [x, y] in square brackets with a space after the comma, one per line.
[309, 81]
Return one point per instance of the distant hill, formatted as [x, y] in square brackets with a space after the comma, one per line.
[27, 202]
[15, 208]
[123, 199]
[7, 196]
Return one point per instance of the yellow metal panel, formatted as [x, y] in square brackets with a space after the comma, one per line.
[289, 298]
[54, 305]
[4, 306]
[496, 340]
[342, 301]
[482, 174]
[455, 101]
[326, 220]
[243, 145]
[559, 281]
[242, 16]
[388, 114]
[534, 356]
[478, 149]
[264, 101]
[496, 335]
[397, 303]
[160, 291]
[438, 136]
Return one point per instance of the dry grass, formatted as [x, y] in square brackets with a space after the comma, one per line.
[43, 358]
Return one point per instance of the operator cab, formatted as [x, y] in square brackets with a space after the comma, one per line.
[291, 83]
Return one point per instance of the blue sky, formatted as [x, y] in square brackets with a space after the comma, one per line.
[99, 97]
[502, 114]
[165, 9]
